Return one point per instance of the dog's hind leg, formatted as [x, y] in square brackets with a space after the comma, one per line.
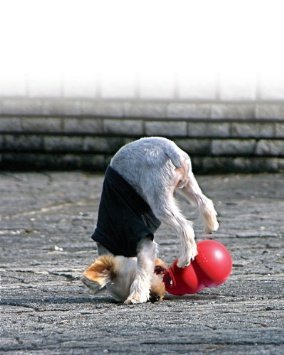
[193, 193]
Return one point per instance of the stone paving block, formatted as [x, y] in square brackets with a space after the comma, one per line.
[237, 164]
[61, 107]
[269, 111]
[10, 124]
[23, 142]
[123, 127]
[55, 161]
[232, 111]
[57, 107]
[281, 165]
[250, 129]
[107, 108]
[255, 164]
[41, 124]
[195, 146]
[279, 130]
[270, 147]
[188, 110]
[233, 147]
[21, 106]
[208, 129]
[95, 162]
[62, 143]
[145, 109]
[170, 129]
[102, 144]
[92, 125]
[89, 162]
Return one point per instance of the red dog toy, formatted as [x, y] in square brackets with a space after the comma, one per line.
[211, 267]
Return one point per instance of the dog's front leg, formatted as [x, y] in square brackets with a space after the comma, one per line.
[140, 288]
[193, 193]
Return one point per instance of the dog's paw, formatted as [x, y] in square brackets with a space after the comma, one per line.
[185, 260]
[212, 226]
[210, 217]
[137, 298]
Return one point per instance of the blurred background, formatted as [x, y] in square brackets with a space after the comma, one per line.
[78, 79]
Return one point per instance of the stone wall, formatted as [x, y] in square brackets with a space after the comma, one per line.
[85, 133]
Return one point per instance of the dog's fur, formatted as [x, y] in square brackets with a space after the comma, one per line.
[117, 273]
[155, 167]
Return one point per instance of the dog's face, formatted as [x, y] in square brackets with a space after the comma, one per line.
[117, 273]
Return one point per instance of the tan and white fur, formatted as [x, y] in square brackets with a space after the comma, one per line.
[118, 273]
[156, 168]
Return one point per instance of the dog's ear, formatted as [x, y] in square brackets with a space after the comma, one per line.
[99, 273]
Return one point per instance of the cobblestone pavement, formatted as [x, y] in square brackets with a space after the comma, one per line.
[45, 227]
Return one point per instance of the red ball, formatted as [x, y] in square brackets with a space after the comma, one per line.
[215, 262]
[210, 268]
[180, 281]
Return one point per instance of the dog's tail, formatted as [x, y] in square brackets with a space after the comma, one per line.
[99, 273]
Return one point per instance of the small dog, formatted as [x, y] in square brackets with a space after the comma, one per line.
[138, 194]
[118, 273]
